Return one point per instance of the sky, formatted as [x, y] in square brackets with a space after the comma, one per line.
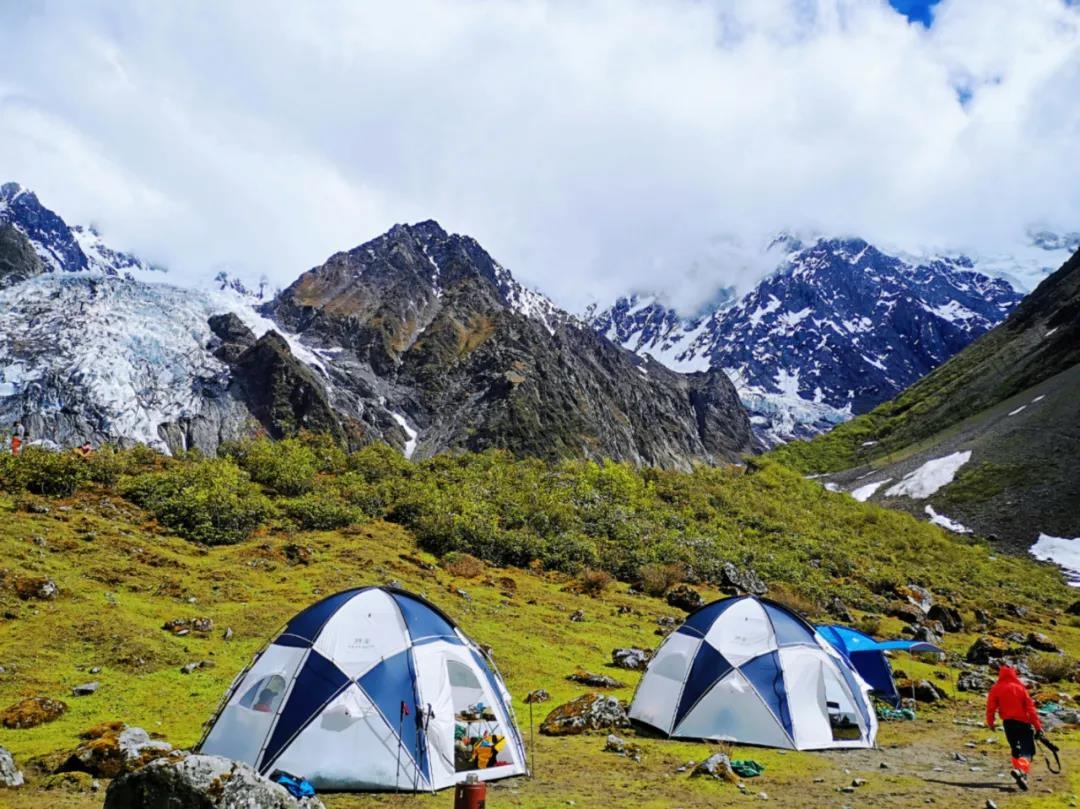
[594, 147]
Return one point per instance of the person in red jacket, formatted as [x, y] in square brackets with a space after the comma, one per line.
[1020, 720]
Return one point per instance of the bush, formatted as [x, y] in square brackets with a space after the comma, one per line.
[1051, 667]
[594, 582]
[656, 579]
[211, 501]
[321, 511]
[42, 471]
[107, 464]
[794, 600]
[287, 466]
[464, 565]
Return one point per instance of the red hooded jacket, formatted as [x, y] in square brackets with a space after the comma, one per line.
[1009, 698]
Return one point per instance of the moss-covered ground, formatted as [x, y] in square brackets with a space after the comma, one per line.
[121, 576]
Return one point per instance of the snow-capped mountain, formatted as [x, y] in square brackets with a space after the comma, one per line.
[60, 247]
[418, 338]
[838, 328]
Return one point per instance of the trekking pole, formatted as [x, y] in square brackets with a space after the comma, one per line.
[402, 713]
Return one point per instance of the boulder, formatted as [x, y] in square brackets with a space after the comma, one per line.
[1040, 642]
[975, 681]
[927, 634]
[200, 782]
[922, 690]
[9, 773]
[86, 689]
[619, 746]
[717, 766]
[594, 680]
[588, 712]
[838, 610]
[907, 613]
[632, 658]
[31, 712]
[684, 597]
[985, 649]
[112, 749]
[948, 616]
[919, 597]
[1073, 609]
[36, 587]
[742, 581]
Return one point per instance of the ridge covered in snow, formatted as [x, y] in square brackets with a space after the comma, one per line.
[63, 248]
[839, 327]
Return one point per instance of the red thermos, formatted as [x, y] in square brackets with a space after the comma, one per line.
[471, 794]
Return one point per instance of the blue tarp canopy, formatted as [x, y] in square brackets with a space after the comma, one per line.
[868, 656]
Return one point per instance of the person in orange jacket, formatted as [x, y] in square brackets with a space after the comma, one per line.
[1020, 720]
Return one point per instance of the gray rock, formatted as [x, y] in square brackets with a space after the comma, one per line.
[743, 581]
[577, 616]
[86, 689]
[200, 782]
[1040, 642]
[9, 773]
[838, 610]
[631, 658]
[948, 616]
[587, 712]
[919, 597]
[717, 766]
[974, 680]
[594, 680]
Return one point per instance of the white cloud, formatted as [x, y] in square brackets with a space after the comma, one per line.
[591, 146]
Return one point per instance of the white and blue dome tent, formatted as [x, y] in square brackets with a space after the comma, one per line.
[749, 670]
[370, 689]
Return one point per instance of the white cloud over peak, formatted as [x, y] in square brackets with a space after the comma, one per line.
[592, 147]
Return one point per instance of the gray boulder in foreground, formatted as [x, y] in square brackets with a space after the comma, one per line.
[9, 773]
[200, 782]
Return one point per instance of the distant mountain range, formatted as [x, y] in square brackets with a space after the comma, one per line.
[418, 338]
[987, 443]
[839, 327]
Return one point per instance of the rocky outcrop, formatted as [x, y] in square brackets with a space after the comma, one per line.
[18, 261]
[200, 782]
[112, 749]
[282, 393]
[587, 712]
[31, 712]
[631, 658]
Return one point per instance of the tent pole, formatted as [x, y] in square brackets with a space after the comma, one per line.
[400, 728]
[532, 744]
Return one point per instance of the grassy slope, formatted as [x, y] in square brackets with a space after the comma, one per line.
[121, 578]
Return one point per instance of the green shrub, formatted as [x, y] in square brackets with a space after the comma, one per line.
[107, 464]
[42, 471]
[656, 579]
[321, 511]
[288, 466]
[1051, 667]
[211, 501]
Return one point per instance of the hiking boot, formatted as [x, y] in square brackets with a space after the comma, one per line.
[1020, 778]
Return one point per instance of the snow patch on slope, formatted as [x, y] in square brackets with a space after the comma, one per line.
[1065, 553]
[930, 477]
[410, 433]
[945, 522]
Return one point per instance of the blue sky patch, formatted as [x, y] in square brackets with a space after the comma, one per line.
[921, 11]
